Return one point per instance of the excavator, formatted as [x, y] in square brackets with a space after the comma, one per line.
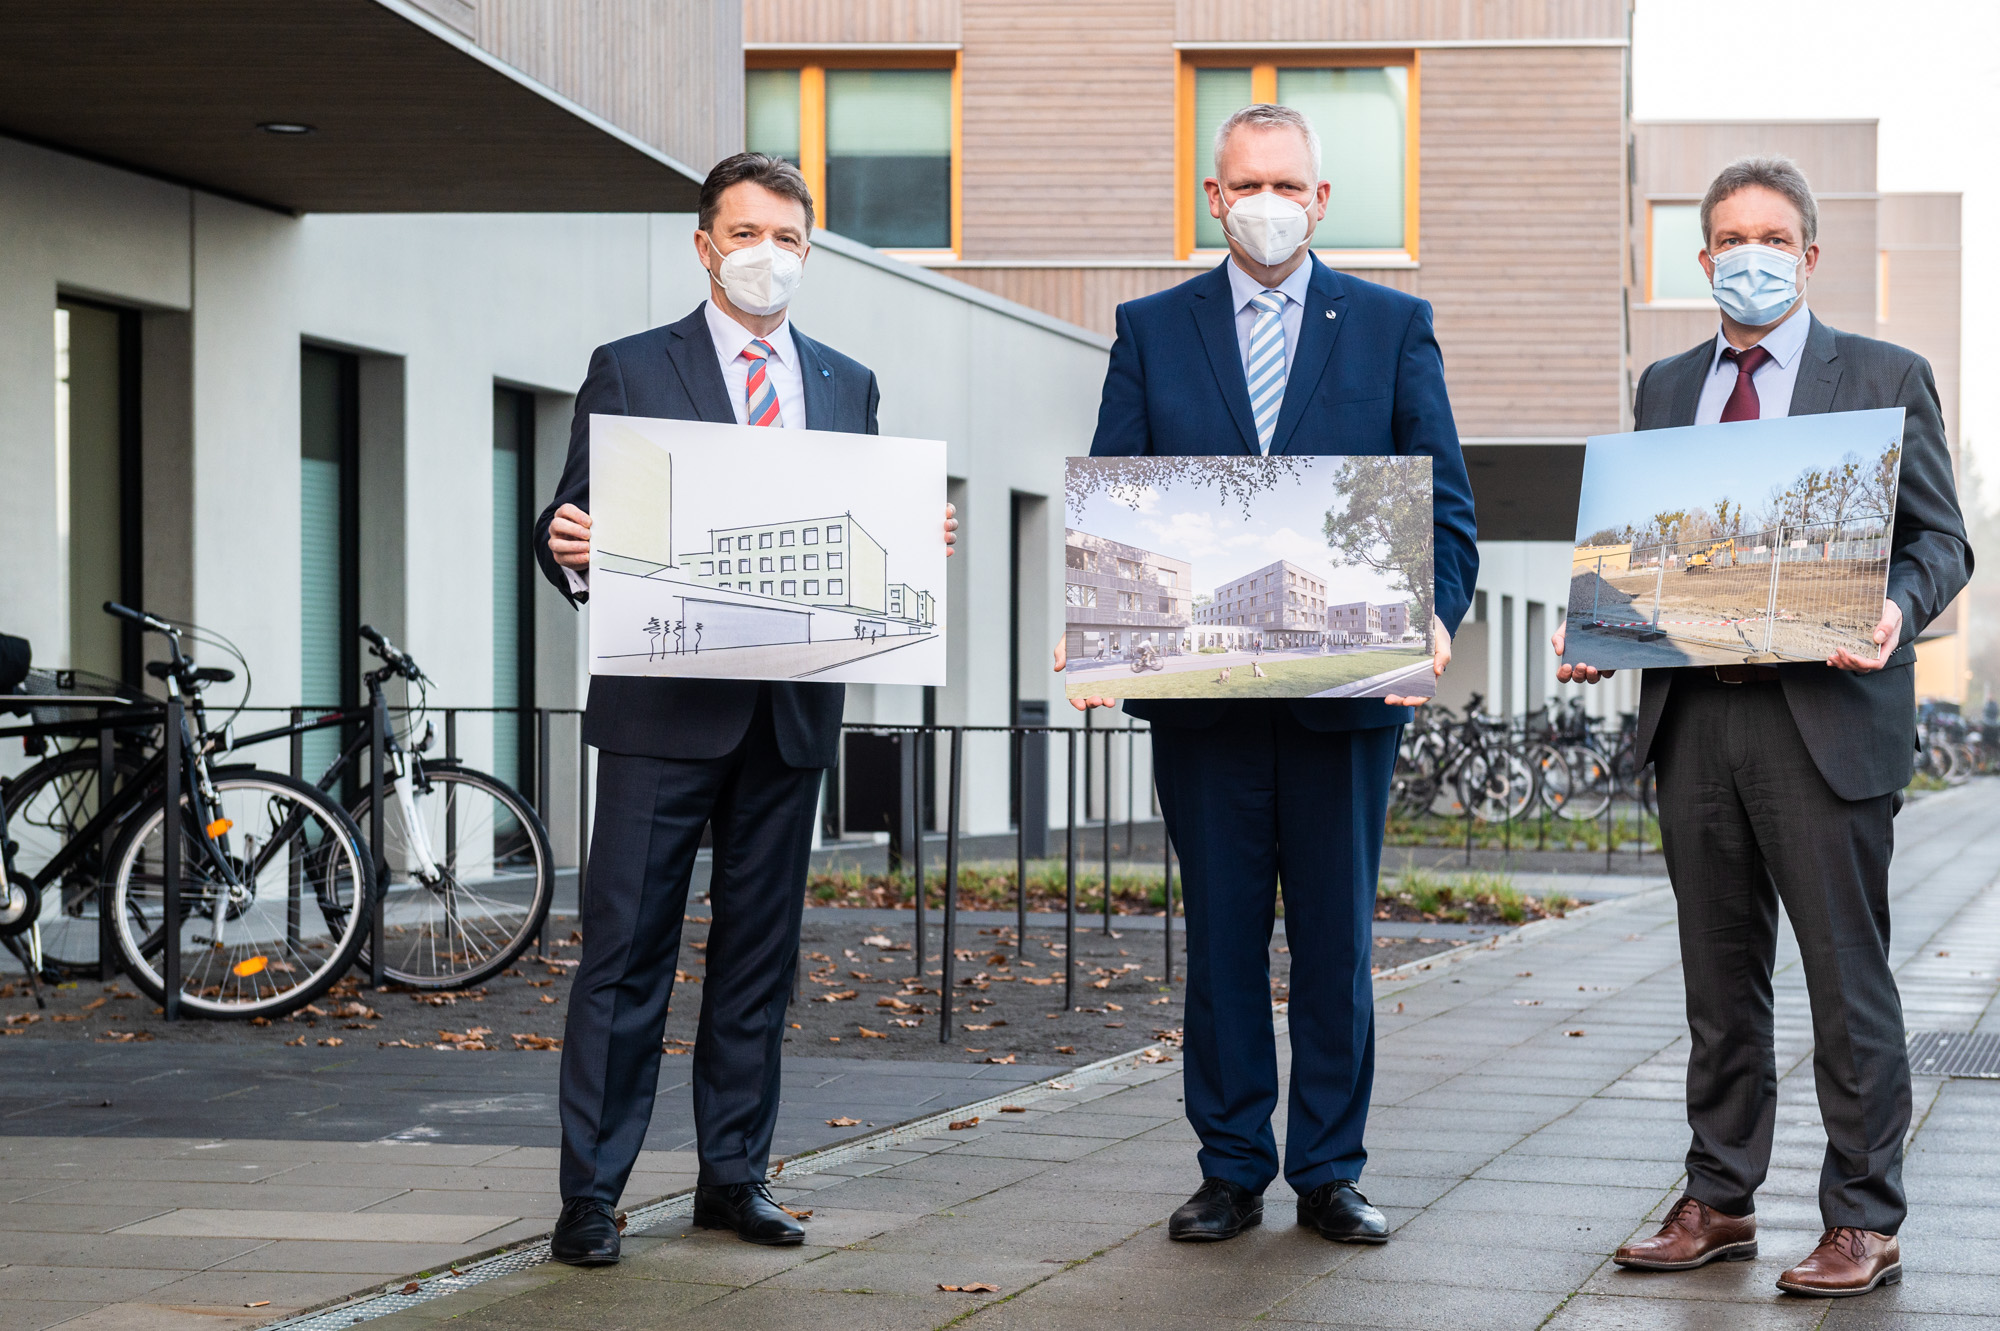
[1703, 561]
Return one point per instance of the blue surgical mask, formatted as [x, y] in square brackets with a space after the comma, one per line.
[1756, 284]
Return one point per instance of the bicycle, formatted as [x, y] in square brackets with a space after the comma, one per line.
[274, 886]
[466, 872]
[1147, 659]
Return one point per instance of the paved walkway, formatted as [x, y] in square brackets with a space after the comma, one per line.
[1527, 1120]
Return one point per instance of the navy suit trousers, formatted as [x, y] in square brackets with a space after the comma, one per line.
[650, 814]
[1251, 804]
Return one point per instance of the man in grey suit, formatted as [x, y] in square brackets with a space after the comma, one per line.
[1779, 783]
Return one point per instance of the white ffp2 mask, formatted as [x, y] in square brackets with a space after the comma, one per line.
[759, 279]
[1269, 225]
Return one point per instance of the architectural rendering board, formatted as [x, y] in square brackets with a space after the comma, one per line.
[1248, 577]
[1755, 541]
[734, 552]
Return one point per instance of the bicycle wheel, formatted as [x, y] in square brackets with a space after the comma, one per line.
[1554, 783]
[1496, 785]
[273, 909]
[1589, 786]
[46, 806]
[470, 917]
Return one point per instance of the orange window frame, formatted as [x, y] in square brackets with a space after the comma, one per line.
[812, 67]
[1264, 69]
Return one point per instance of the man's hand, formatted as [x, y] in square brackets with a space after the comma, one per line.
[1887, 634]
[569, 537]
[1576, 671]
[1440, 658]
[950, 529]
[1081, 704]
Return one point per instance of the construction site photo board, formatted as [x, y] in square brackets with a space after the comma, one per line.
[1748, 542]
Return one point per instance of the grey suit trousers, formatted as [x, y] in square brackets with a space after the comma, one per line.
[1747, 822]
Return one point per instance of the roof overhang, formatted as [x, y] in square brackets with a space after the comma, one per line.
[407, 115]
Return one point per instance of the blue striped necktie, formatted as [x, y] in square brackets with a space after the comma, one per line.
[1266, 370]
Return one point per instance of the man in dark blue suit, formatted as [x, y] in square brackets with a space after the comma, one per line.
[743, 757]
[1273, 352]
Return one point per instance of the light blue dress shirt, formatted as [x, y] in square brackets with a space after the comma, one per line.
[1244, 288]
[1773, 380]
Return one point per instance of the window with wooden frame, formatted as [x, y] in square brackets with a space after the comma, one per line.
[876, 134]
[1363, 104]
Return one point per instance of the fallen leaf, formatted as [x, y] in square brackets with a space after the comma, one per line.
[67, 1016]
[1065, 1049]
[1113, 1007]
[1399, 1007]
[1100, 984]
[1113, 1025]
[526, 1040]
[621, 1221]
[332, 1042]
[843, 1122]
[987, 1027]
[412, 1287]
[960, 1125]
[867, 1034]
[1573, 1033]
[1944, 954]
[970, 1050]
[1155, 1056]
[1164, 998]
[1522, 975]
[1527, 1002]
[24, 1018]
[878, 940]
[796, 1215]
[296, 1042]
[1061, 1086]
[992, 1059]
[976, 1287]
[1013, 1109]
[95, 1004]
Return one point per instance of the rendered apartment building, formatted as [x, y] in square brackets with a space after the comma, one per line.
[1119, 597]
[1281, 604]
[1052, 153]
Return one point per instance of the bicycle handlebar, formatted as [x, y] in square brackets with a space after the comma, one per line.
[138, 617]
[386, 650]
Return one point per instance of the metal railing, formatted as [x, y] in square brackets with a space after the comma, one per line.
[1800, 591]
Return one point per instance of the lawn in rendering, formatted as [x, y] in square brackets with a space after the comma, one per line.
[732, 552]
[1753, 541]
[1248, 577]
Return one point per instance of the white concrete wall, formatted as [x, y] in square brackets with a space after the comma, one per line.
[441, 308]
[1536, 571]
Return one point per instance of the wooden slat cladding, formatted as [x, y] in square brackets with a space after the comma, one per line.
[871, 21]
[1523, 158]
[1922, 280]
[1682, 157]
[1068, 128]
[669, 72]
[1391, 21]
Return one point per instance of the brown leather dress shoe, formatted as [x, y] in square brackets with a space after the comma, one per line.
[1847, 1262]
[1694, 1234]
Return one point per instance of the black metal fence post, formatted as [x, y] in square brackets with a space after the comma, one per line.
[1167, 890]
[170, 865]
[917, 776]
[107, 772]
[1069, 903]
[378, 941]
[1108, 733]
[1021, 845]
[544, 788]
[295, 877]
[948, 953]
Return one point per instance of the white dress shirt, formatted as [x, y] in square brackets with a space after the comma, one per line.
[1244, 288]
[1773, 380]
[781, 366]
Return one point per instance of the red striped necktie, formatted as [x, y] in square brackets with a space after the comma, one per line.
[1743, 404]
[759, 393]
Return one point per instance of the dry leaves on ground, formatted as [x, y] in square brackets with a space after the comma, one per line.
[142, 1037]
[840, 997]
[24, 1018]
[976, 1287]
[1065, 1049]
[867, 1034]
[412, 1287]
[469, 1041]
[398, 1044]
[1155, 1056]
[843, 1122]
[1013, 1109]
[332, 1042]
[961, 1124]
[529, 1040]
[1527, 1002]
[1573, 1033]
[796, 1215]
[996, 1059]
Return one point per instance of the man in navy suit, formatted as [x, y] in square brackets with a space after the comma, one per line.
[1273, 352]
[743, 757]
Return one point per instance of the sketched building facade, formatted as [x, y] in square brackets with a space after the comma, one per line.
[1120, 598]
[825, 561]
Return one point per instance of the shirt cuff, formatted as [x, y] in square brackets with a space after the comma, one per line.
[579, 583]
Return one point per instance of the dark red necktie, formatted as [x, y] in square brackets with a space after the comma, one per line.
[1743, 404]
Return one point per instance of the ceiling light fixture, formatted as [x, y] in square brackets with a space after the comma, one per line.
[285, 127]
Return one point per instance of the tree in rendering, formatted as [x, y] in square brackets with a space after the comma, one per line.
[1385, 525]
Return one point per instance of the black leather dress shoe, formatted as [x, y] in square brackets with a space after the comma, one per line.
[748, 1209]
[1218, 1210]
[1339, 1211]
[586, 1235]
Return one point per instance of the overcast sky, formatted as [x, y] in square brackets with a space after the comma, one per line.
[1928, 70]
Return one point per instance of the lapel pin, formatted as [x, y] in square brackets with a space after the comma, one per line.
[1329, 314]
[825, 373]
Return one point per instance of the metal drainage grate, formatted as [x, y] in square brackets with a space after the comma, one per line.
[1954, 1054]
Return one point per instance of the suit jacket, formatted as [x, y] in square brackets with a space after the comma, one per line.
[671, 373]
[1861, 728]
[1366, 378]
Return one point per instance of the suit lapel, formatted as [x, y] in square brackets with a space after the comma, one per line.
[1319, 330]
[818, 385]
[1683, 388]
[1819, 373]
[1216, 320]
[692, 353]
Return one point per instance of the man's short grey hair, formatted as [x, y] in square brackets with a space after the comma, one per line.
[1780, 175]
[1263, 115]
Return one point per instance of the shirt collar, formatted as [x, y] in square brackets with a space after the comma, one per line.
[731, 337]
[1244, 288]
[1784, 342]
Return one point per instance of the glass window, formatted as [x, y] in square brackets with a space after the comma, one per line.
[742, 586]
[888, 156]
[1081, 595]
[1676, 240]
[811, 536]
[771, 106]
[722, 545]
[812, 586]
[784, 538]
[833, 534]
[812, 561]
[708, 568]
[790, 587]
[1218, 93]
[834, 587]
[787, 563]
[764, 564]
[833, 561]
[762, 587]
[1360, 115]
[763, 540]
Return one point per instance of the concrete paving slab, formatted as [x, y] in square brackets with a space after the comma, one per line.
[345, 1226]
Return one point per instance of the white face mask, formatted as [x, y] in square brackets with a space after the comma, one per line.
[1269, 225]
[759, 279]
